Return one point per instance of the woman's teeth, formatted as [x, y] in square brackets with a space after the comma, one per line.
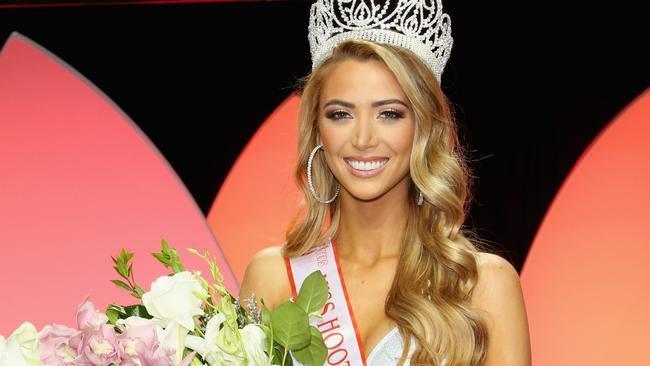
[367, 165]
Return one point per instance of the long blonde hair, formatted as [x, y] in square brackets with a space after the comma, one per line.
[430, 295]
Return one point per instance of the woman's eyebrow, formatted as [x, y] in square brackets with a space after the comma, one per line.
[378, 103]
[339, 102]
[388, 101]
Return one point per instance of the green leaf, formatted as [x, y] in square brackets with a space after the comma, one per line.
[313, 293]
[169, 257]
[278, 351]
[137, 310]
[121, 267]
[119, 271]
[122, 285]
[114, 312]
[165, 246]
[129, 256]
[138, 291]
[290, 326]
[266, 313]
[112, 315]
[161, 258]
[177, 267]
[196, 361]
[315, 353]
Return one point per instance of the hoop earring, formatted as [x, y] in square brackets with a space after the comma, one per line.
[420, 198]
[310, 182]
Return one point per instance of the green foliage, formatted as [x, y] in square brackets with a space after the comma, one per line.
[169, 258]
[125, 270]
[290, 324]
[115, 312]
[313, 293]
[286, 327]
[315, 353]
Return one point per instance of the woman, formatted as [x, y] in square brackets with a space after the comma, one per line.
[386, 191]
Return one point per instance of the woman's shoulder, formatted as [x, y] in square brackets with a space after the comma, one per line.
[266, 277]
[495, 273]
[489, 262]
[498, 294]
[267, 257]
[498, 289]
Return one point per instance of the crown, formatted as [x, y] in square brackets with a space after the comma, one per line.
[417, 25]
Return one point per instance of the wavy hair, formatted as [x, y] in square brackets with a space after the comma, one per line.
[430, 295]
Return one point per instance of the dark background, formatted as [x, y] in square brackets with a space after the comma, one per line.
[532, 85]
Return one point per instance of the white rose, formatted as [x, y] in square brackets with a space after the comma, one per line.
[175, 299]
[254, 341]
[21, 348]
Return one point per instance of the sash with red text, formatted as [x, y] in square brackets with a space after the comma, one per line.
[337, 324]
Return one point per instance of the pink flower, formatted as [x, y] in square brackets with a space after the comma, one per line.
[88, 318]
[101, 347]
[137, 335]
[140, 341]
[56, 348]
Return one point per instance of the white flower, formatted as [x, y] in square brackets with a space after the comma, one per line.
[254, 341]
[175, 299]
[173, 338]
[220, 346]
[21, 348]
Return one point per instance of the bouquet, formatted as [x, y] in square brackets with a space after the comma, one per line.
[183, 320]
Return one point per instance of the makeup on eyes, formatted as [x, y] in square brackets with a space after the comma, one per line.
[385, 114]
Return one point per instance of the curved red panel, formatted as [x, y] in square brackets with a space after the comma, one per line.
[259, 197]
[78, 182]
[586, 277]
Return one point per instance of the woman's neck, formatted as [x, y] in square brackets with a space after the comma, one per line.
[371, 230]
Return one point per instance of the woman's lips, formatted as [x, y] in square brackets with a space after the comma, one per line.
[366, 167]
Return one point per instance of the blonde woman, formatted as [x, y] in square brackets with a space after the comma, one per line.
[386, 188]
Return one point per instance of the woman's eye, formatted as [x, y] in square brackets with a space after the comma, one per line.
[336, 115]
[390, 114]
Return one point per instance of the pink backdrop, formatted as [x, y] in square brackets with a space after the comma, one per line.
[80, 181]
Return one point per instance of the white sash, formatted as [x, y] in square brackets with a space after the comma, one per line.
[337, 324]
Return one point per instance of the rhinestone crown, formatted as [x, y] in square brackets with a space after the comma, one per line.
[417, 25]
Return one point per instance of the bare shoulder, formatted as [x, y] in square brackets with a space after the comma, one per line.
[498, 281]
[266, 277]
[498, 295]
[492, 264]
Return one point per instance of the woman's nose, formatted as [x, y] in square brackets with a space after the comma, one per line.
[364, 133]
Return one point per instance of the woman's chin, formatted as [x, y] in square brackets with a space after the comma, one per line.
[366, 196]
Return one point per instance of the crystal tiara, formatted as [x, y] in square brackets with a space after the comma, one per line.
[417, 25]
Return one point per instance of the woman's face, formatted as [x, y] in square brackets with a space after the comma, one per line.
[366, 127]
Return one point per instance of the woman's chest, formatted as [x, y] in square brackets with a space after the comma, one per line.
[367, 293]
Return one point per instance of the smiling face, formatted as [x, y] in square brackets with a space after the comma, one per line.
[366, 126]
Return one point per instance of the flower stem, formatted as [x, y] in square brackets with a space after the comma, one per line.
[284, 357]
